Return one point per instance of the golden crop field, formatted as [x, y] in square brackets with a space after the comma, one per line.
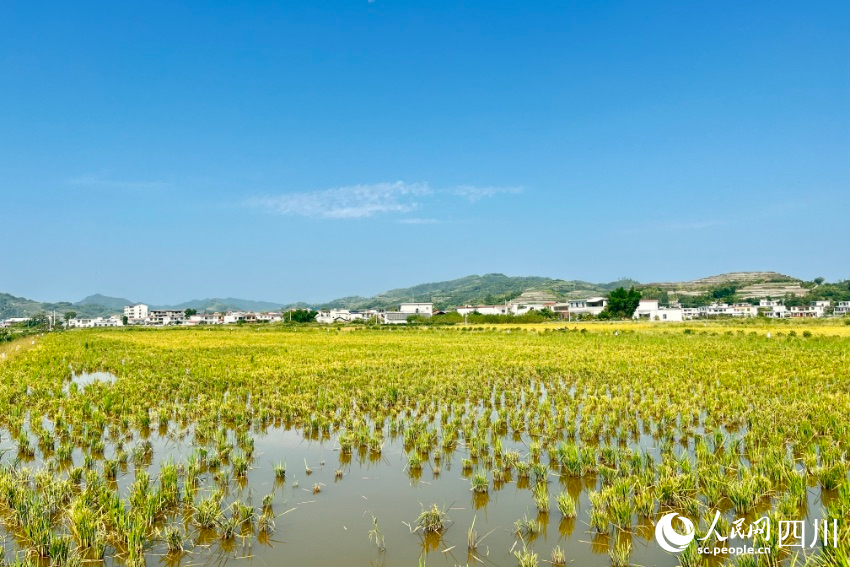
[451, 446]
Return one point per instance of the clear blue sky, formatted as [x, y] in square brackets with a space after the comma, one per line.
[163, 151]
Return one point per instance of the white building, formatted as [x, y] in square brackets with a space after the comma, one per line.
[14, 320]
[690, 313]
[842, 308]
[813, 309]
[233, 317]
[484, 310]
[136, 313]
[205, 319]
[270, 317]
[773, 309]
[423, 309]
[394, 317]
[163, 317]
[332, 316]
[88, 323]
[726, 310]
[650, 310]
[521, 308]
[590, 306]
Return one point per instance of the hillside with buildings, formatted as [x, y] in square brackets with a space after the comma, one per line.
[484, 290]
[487, 289]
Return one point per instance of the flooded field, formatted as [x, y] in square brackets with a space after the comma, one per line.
[297, 446]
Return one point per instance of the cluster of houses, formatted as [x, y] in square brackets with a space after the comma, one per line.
[406, 310]
[141, 314]
[13, 321]
[648, 309]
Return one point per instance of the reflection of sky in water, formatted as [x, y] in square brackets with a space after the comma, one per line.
[85, 378]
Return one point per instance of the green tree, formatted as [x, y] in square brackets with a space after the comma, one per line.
[302, 316]
[70, 315]
[622, 303]
[39, 320]
[124, 319]
[189, 312]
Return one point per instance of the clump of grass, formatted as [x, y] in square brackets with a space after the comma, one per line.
[432, 520]
[228, 527]
[526, 526]
[207, 514]
[526, 558]
[280, 470]
[620, 554]
[558, 558]
[265, 523]
[268, 500]
[541, 497]
[480, 484]
[566, 504]
[599, 520]
[173, 538]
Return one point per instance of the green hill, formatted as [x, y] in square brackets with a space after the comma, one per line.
[11, 306]
[487, 289]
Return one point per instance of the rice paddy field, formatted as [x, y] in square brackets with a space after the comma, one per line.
[503, 446]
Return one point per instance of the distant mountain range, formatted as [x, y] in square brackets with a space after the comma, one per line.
[98, 305]
[487, 289]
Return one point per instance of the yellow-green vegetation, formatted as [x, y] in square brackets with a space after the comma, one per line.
[688, 418]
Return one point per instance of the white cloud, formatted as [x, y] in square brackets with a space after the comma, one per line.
[352, 202]
[473, 194]
[363, 201]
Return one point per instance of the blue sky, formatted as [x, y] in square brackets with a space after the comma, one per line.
[163, 151]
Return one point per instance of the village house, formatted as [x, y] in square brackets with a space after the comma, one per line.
[650, 310]
[205, 319]
[422, 309]
[88, 323]
[341, 316]
[590, 306]
[814, 309]
[14, 321]
[136, 314]
[407, 310]
[726, 310]
[163, 317]
[484, 310]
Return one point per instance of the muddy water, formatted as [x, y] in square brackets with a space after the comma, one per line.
[331, 527]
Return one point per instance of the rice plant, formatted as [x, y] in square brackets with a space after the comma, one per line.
[432, 520]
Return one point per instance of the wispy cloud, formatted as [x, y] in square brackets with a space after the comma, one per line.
[472, 193]
[362, 201]
[352, 202]
[104, 181]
